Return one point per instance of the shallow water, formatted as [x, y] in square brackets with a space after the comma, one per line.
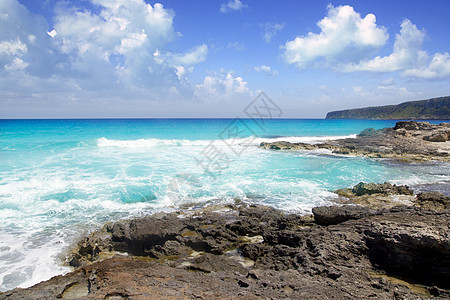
[61, 178]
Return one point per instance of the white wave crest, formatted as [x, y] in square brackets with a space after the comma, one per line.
[305, 139]
[252, 140]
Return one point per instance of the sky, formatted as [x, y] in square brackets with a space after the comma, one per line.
[204, 58]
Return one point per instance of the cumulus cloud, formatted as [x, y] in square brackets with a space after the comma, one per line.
[232, 5]
[118, 49]
[408, 56]
[407, 52]
[115, 43]
[344, 35]
[267, 70]
[270, 30]
[223, 86]
[103, 59]
[13, 48]
[192, 57]
[439, 67]
[347, 40]
[16, 64]
[24, 43]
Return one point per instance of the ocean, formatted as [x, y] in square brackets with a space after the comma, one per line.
[60, 179]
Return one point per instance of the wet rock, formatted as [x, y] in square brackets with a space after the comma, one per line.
[369, 132]
[329, 215]
[382, 188]
[407, 141]
[254, 252]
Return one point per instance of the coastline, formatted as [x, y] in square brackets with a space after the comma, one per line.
[408, 141]
[242, 251]
[378, 240]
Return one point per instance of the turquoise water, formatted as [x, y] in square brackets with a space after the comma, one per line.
[61, 178]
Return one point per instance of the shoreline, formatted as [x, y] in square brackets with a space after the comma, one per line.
[408, 141]
[253, 245]
[249, 251]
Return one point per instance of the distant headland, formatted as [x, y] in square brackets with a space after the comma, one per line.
[431, 109]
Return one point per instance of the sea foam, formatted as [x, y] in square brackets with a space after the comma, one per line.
[247, 141]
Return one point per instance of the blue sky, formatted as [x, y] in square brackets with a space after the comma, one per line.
[203, 58]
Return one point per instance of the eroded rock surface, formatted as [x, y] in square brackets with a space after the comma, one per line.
[408, 141]
[433, 201]
[257, 252]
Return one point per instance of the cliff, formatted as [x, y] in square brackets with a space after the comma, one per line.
[431, 109]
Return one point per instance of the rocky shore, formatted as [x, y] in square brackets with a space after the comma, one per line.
[407, 141]
[379, 241]
[242, 251]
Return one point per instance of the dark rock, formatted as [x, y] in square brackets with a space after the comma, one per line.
[328, 215]
[386, 188]
[433, 196]
[437, 137]
[433, 200]
[418, 252]
[243, 283]
[254, 252]
[412, 125]
[407, 141]
[369, 132]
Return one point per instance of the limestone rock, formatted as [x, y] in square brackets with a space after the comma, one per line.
[329, 215]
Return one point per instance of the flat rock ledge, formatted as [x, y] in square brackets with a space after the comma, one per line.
[255, 252]
[387, 195]
[407, 141]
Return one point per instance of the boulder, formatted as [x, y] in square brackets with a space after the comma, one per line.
[386, 188]
[412, 125]
[420, 252]
[437, 137]
[330, 215]
[369, 132]
[433, 200]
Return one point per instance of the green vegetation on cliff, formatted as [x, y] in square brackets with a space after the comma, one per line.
[431, 109]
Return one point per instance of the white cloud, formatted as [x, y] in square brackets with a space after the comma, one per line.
[112, 59]
[11, 54]
[133, 41]
[439, 67]
[383, 92]
[222, 86]
[16, 64]
[115, 42]
[270, 29]
[407, 52]
[195, 56]
[122, 45]
[346, 40]
[407, 56]
[232, 5]
[24, 43]
[267, 70]
[117, 51]
[344, 36]
[13, 48]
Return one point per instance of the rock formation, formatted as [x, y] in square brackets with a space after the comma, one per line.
[407, 141]
[256, 252]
